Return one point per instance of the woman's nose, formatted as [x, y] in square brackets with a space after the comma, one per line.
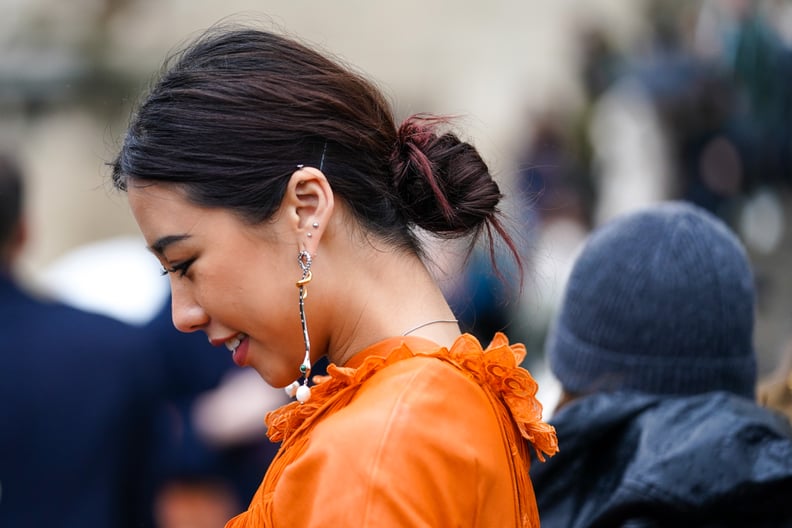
[188, 315]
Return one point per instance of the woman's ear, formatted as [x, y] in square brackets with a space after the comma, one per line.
[308, 206]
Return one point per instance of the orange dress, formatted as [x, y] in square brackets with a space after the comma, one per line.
[408, 433]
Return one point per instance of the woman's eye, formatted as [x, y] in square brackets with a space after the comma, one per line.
[180, 268]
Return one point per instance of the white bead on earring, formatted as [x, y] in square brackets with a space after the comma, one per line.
[303, 393]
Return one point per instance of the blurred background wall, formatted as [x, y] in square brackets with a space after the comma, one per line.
[584, 108]
[69, 71]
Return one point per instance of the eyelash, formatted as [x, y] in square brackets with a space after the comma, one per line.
[180, 268]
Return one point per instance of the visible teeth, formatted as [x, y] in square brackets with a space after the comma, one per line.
[233, 343]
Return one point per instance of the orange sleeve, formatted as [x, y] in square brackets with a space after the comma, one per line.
[419, 446]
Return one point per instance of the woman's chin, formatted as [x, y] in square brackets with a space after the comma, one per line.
[275, 381]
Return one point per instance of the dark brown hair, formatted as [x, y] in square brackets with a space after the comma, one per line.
[234, 113]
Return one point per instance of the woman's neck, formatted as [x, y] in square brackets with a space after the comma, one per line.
[391, 295]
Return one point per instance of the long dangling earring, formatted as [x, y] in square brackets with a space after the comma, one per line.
[303, 392]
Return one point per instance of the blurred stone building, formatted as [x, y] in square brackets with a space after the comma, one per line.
[69, 72]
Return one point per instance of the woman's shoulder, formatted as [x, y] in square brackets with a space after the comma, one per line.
[408, 388]
[421, 379]
[405, 399]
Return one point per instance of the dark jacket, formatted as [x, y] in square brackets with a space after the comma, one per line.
[77, 395]
[633, 460]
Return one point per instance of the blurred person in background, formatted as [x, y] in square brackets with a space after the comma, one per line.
[775, 389]
[745, 39]
[258, 168]
[653, 346]
[76, 401]
[556, 197]
[696, 109]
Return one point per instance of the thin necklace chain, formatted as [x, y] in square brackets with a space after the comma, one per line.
[411, 330]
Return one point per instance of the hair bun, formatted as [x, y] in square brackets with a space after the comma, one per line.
[442, 183]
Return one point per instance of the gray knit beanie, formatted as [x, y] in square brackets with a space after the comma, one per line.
[660, 301]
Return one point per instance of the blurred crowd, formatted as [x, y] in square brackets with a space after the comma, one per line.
[698, 111]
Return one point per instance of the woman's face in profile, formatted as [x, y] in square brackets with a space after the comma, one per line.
[232, 280]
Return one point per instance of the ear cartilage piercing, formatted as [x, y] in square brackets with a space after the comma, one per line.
[315, 225]
[309, 235]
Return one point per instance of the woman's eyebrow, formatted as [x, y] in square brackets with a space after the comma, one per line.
[160, 245]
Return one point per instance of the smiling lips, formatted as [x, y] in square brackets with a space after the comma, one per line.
[233, 345]
[234, 342]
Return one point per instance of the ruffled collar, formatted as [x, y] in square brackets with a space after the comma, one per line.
[496, 368]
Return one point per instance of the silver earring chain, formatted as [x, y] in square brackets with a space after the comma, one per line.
[303, 392]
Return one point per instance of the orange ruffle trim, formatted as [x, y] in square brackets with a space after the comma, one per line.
[497, 368]
[510, 388]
